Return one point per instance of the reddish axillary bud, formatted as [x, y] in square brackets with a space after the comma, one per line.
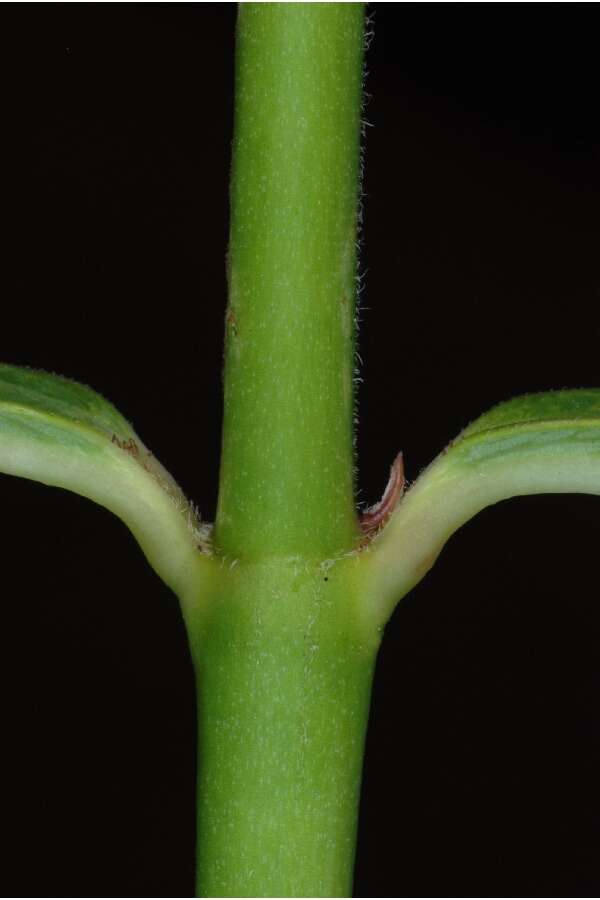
[375, 517]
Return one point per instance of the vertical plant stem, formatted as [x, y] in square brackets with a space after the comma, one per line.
[283, 657]
[286, 482]
[284, 670]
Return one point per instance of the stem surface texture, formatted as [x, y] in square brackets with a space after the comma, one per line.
[283, 658]
[286, 482]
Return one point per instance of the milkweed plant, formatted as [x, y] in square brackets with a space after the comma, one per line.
[286, 597]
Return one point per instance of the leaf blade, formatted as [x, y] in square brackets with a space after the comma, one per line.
[55, 394]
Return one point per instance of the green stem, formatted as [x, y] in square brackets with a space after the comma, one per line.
[282, 651]
[286, 482]
[284, 667]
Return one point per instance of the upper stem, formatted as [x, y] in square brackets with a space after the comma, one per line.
[286, 482]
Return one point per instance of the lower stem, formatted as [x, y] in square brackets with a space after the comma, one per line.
[283, 679]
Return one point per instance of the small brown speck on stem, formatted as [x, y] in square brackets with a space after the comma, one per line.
[230, 320]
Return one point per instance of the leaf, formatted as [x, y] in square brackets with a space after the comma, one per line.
[64, 434]
[534, 444]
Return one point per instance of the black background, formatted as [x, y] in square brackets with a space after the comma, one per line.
[481, 281]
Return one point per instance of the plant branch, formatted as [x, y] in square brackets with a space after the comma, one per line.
[534, 444]
[64, 434]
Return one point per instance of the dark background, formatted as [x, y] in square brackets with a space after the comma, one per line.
[481, 281]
